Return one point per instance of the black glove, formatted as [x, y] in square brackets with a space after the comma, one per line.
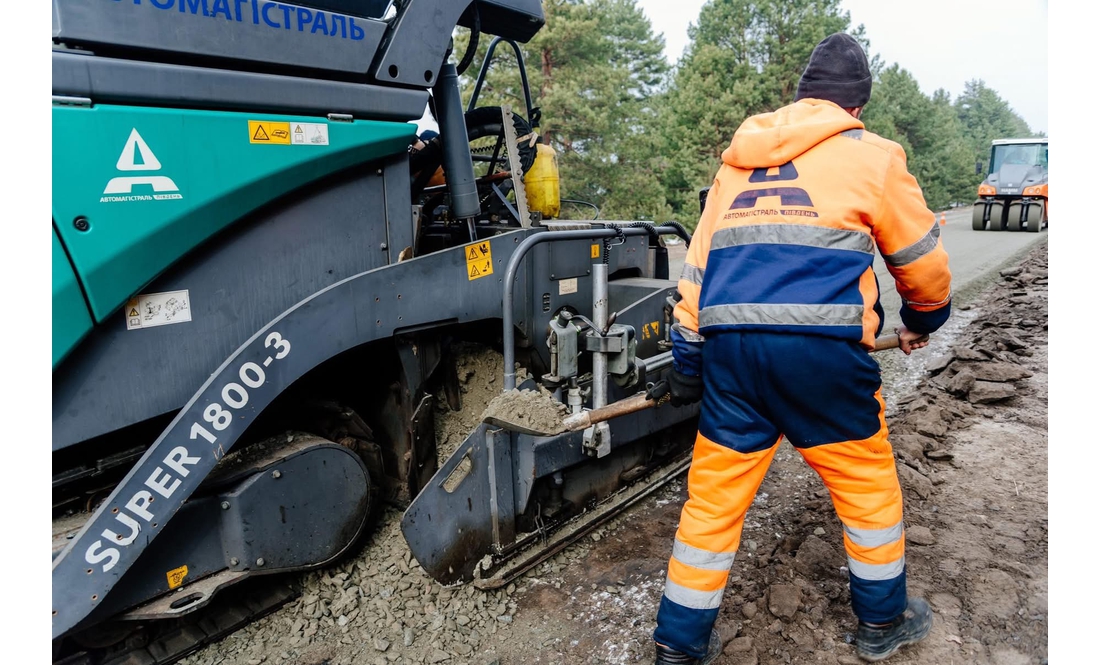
[685, 389]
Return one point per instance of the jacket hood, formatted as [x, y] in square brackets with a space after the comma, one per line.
[773, 139]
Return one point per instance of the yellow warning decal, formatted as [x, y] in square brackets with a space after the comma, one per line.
[263, 131]
[133, 311]
[595, 250]
[175, 577]
[479, 260]
[651, 330]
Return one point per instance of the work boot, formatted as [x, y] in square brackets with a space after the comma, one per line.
[669, 656]
[875, 643]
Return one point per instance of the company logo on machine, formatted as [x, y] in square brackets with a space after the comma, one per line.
[137, 156]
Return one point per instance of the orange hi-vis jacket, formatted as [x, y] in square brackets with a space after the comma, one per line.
[787, 238]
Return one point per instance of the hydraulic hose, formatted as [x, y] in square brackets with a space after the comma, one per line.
[471, 48]
[680, 231]
[659, 259]
[648, 226]
[584, 203]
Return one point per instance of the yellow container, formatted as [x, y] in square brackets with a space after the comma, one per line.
[543, 184]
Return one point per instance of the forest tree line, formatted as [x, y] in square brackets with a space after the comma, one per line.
[638, 136]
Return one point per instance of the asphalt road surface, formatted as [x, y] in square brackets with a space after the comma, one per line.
[973, 257]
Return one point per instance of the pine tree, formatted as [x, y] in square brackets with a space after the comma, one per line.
[985, 117]
[929, 131]
[746, 57]
[640, 141]
[594, 70]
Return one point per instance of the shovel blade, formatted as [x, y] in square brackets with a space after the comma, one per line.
[516, 427]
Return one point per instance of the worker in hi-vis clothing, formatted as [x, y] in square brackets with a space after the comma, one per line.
[779, 309]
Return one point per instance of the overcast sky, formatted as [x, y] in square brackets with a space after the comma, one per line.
[943, 43]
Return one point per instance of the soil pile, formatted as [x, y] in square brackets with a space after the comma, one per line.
[480, 372]
[536, 410]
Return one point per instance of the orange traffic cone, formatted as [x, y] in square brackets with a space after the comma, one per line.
[943, 218]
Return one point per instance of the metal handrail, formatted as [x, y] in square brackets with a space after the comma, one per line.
[513, 267]
[522, 73]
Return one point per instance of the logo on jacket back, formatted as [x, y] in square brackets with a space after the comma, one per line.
[138, 156]
[788, 196]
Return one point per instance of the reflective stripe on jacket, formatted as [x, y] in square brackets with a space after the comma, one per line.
[786, 242]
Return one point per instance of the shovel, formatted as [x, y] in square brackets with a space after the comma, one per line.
[640, 402]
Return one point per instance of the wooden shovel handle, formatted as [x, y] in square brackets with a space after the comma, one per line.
[893, 342]
[582, 420]
[641, 402]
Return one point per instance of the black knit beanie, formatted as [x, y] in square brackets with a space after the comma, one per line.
[838, 72]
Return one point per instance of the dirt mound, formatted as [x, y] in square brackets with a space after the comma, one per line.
[480, 372]
[534, 409]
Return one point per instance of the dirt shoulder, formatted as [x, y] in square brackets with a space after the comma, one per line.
[971, 441]
[969, 423]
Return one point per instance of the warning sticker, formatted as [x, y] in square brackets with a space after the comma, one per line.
[262, 131]
[308, 133]
[158, 309]
[479, 260]
[175, 577]
[567, 286]
[595, 250]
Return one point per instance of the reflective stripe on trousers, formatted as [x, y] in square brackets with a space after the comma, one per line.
[734, 448]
